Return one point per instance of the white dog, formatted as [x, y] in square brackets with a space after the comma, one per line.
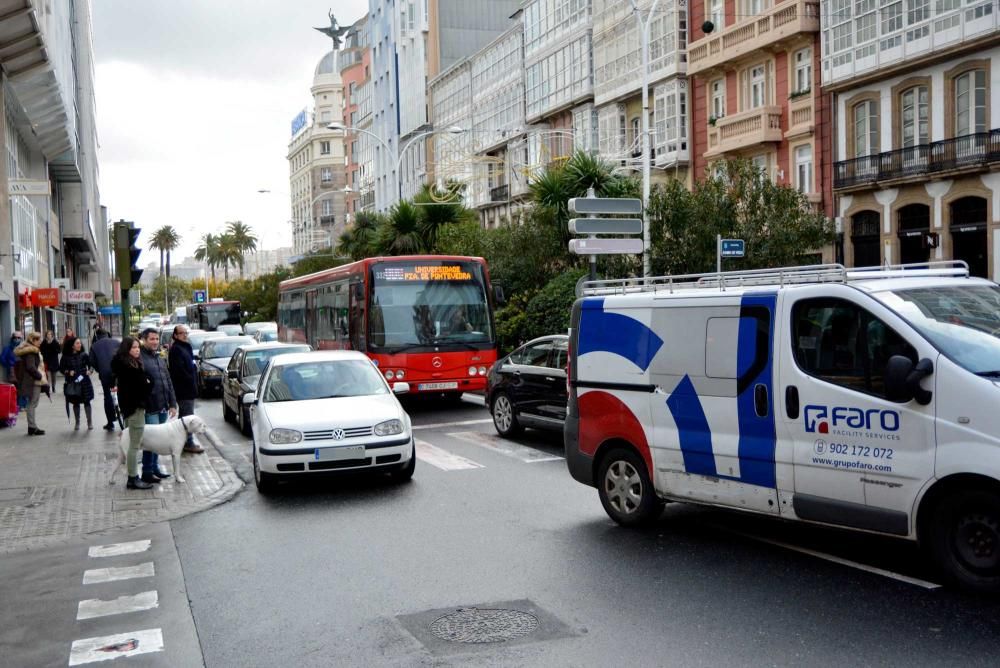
[168, 439]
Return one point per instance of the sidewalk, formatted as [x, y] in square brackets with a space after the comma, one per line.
[55, 487]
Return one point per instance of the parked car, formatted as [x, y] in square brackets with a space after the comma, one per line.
[230, 330]
[179, 316]
[265, 335]
[252, 328]
[243, 374]
[166, 336]
[327, 411]
[196, 337]
[213, 360]
[528, 387]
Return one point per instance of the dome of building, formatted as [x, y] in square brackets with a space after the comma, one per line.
[327, 64]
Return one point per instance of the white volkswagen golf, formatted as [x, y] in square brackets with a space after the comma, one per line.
[327, 411]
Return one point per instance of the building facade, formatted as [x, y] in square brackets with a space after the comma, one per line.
[317, 167]
[354, 65]
[915, 90]
[59, 238]
[755, 90]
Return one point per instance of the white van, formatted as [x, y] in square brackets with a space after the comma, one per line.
[867, 399]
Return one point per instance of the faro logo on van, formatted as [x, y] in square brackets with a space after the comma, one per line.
[822, 418]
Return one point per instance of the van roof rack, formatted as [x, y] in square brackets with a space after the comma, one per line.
[814, 273]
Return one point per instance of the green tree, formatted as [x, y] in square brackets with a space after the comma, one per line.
[400, 233]
[229, 254]
[179, 291]
[165, 239]
[208, 252]
[318, 261]
[360, 239]
[440, 210]
[548, 312]
[243, 239]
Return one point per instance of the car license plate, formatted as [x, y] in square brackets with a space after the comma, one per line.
[437, 386]
[343, 452]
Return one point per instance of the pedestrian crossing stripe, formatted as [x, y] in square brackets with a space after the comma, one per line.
[443, 459]
[118, 549]
[504, 447]
[94, 607]
[103, 648]
[100, 575]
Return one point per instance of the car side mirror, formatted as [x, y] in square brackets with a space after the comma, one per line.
[400, 388]
[902, 380]
[232, 375]
[249, 398]
[498, 295]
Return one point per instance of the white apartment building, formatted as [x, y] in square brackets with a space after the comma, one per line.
[916, 110]
[451, 107]
[617, 44]
[316, 165]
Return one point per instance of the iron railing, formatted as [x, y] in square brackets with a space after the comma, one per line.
[968, 151]
[500, 193]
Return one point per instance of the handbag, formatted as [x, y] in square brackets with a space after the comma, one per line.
[73, 391]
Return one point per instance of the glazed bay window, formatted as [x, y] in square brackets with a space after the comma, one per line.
[324, 148]
[917, 11]
[757, 89]
[892, 16]
[970, 103]
[803, 169]
[717, 13]
[718, 93]
[669, 115]
[913, 123]
[803, 70]
[865, 128]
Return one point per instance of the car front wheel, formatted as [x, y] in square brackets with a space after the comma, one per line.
[504, 418]
[625, 489]
[245, 420]
[227, 414]
[406, 473]
[266, 482]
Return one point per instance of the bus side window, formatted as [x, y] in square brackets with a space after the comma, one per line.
[357, 317]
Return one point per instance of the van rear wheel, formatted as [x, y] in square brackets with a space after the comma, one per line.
[625, 489]
[965, 539]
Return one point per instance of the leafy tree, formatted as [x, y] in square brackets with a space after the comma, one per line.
[548, 312]
[438, 211]
[400, 233]
[359, 240]
[208, 252]
[179, 291]
[165, 239]
[242, 239]
[229, 254]
[735, 201]
[317, 261]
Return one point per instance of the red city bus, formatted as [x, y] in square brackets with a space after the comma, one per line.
[424, 319]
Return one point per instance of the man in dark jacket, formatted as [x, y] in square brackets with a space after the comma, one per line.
[101, 354]
[161, 402]
[182, 374]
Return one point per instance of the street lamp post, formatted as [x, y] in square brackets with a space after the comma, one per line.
[644, 32]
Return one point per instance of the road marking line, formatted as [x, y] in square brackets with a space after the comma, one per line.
[443, 459]
[837, 560]
[103, 648]
[462, 423]
[95, 607]
[99, 575]
[496, 444]
[118, 549]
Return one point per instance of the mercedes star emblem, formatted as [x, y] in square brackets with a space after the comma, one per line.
[436, 362]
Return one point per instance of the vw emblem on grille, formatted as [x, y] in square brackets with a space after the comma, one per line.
[338, 434]
[436, 362]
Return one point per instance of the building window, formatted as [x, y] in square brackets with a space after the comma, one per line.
[717, 13]
[327, 207]
[803, 70]
[864, 28]
[970, 103]
[636, 139]
[326, 175]
[917, 11]
[803, 169]
[760, 163]
[718, 106]
[324, 148]
[325, 117]
[758, 87]
[865, 129]
[892, 17]
[914, 111]
[753, 7]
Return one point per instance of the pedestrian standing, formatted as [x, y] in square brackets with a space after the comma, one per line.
[161, 402]
[101, 354]
[50, 353]
[184, 379]
[76, 367]
[7, 357]
[133, 385]
[32, 378]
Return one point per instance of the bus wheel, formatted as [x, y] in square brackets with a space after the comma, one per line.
[504, 418]
[965, 539]
[625, 489]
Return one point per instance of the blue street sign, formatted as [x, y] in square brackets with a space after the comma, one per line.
[733, 247]
[110, 310]
[199, 296]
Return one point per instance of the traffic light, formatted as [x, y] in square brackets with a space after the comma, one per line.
[126, 254]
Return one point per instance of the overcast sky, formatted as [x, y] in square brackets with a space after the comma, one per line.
[195, 100]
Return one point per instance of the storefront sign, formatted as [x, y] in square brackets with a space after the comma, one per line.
[79, 296]
[45, 297]
[28, 187]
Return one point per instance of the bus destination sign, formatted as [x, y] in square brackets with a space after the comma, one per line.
[422, 273]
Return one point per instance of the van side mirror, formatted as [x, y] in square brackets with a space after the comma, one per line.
[902, 380]
[498, 296]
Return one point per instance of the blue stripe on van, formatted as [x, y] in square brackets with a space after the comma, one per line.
[692, 429]
[754, 367]
[614, 333]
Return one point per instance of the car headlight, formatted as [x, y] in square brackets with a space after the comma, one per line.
[212, 372]
[482, 371]
[284, 436]
[388, 428]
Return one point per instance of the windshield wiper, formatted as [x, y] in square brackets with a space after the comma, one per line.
[989, 374]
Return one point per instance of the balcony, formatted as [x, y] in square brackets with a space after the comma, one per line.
[500, 193]
[801, 116]
[746, 129]
[975, 152]
[784, 20]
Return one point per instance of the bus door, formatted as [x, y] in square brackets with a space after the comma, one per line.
[356, 316]
[311, 318]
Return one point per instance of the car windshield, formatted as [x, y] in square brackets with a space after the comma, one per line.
[256, 360]
[230, 329]
[963, 322]
[267, 335]
[196, 339]
[324, 380]
[224, 348]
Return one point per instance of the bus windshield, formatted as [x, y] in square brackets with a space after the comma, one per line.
[429, 303]
[213, 315]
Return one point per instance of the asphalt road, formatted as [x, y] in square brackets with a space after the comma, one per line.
[363, 571]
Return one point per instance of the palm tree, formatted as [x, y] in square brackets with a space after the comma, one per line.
[399, 234]
[360, 239]
[440, 209]
[165, 240]
[229, 255]
[243, 239]
[208, 252]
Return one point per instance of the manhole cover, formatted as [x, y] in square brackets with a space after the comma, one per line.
[475, 625]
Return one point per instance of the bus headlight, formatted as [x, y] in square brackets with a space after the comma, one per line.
[472, 371]
[389, 428]
[284, 436]
[399, 375]
[482, 371]
[389, 375]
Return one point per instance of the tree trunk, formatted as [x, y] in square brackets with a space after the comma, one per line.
[166, 292]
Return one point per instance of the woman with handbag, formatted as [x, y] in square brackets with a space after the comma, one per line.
[134, 386]
[75, 366]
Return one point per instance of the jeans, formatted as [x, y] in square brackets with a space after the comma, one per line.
[151, 460]
[109, 406]
[185, 407]
[136, 423]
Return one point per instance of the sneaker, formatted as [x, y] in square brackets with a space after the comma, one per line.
[150, 478]
[194, 449]
[137, 483]
[109, 426]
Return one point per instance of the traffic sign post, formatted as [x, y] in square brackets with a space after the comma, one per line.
[605, 205]
[591, 225]
[605, 225]
[727, 248]
[596, 246]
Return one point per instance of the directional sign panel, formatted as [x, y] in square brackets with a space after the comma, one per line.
[605, 205]
[605, 226]
[733, 247]
[605, 246]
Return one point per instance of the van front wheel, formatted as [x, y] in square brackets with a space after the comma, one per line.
[625, 489]
[965, 539]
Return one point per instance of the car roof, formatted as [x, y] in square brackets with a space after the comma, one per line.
[271, 345]
[547, 337]
[319, 356]
[230, 339]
